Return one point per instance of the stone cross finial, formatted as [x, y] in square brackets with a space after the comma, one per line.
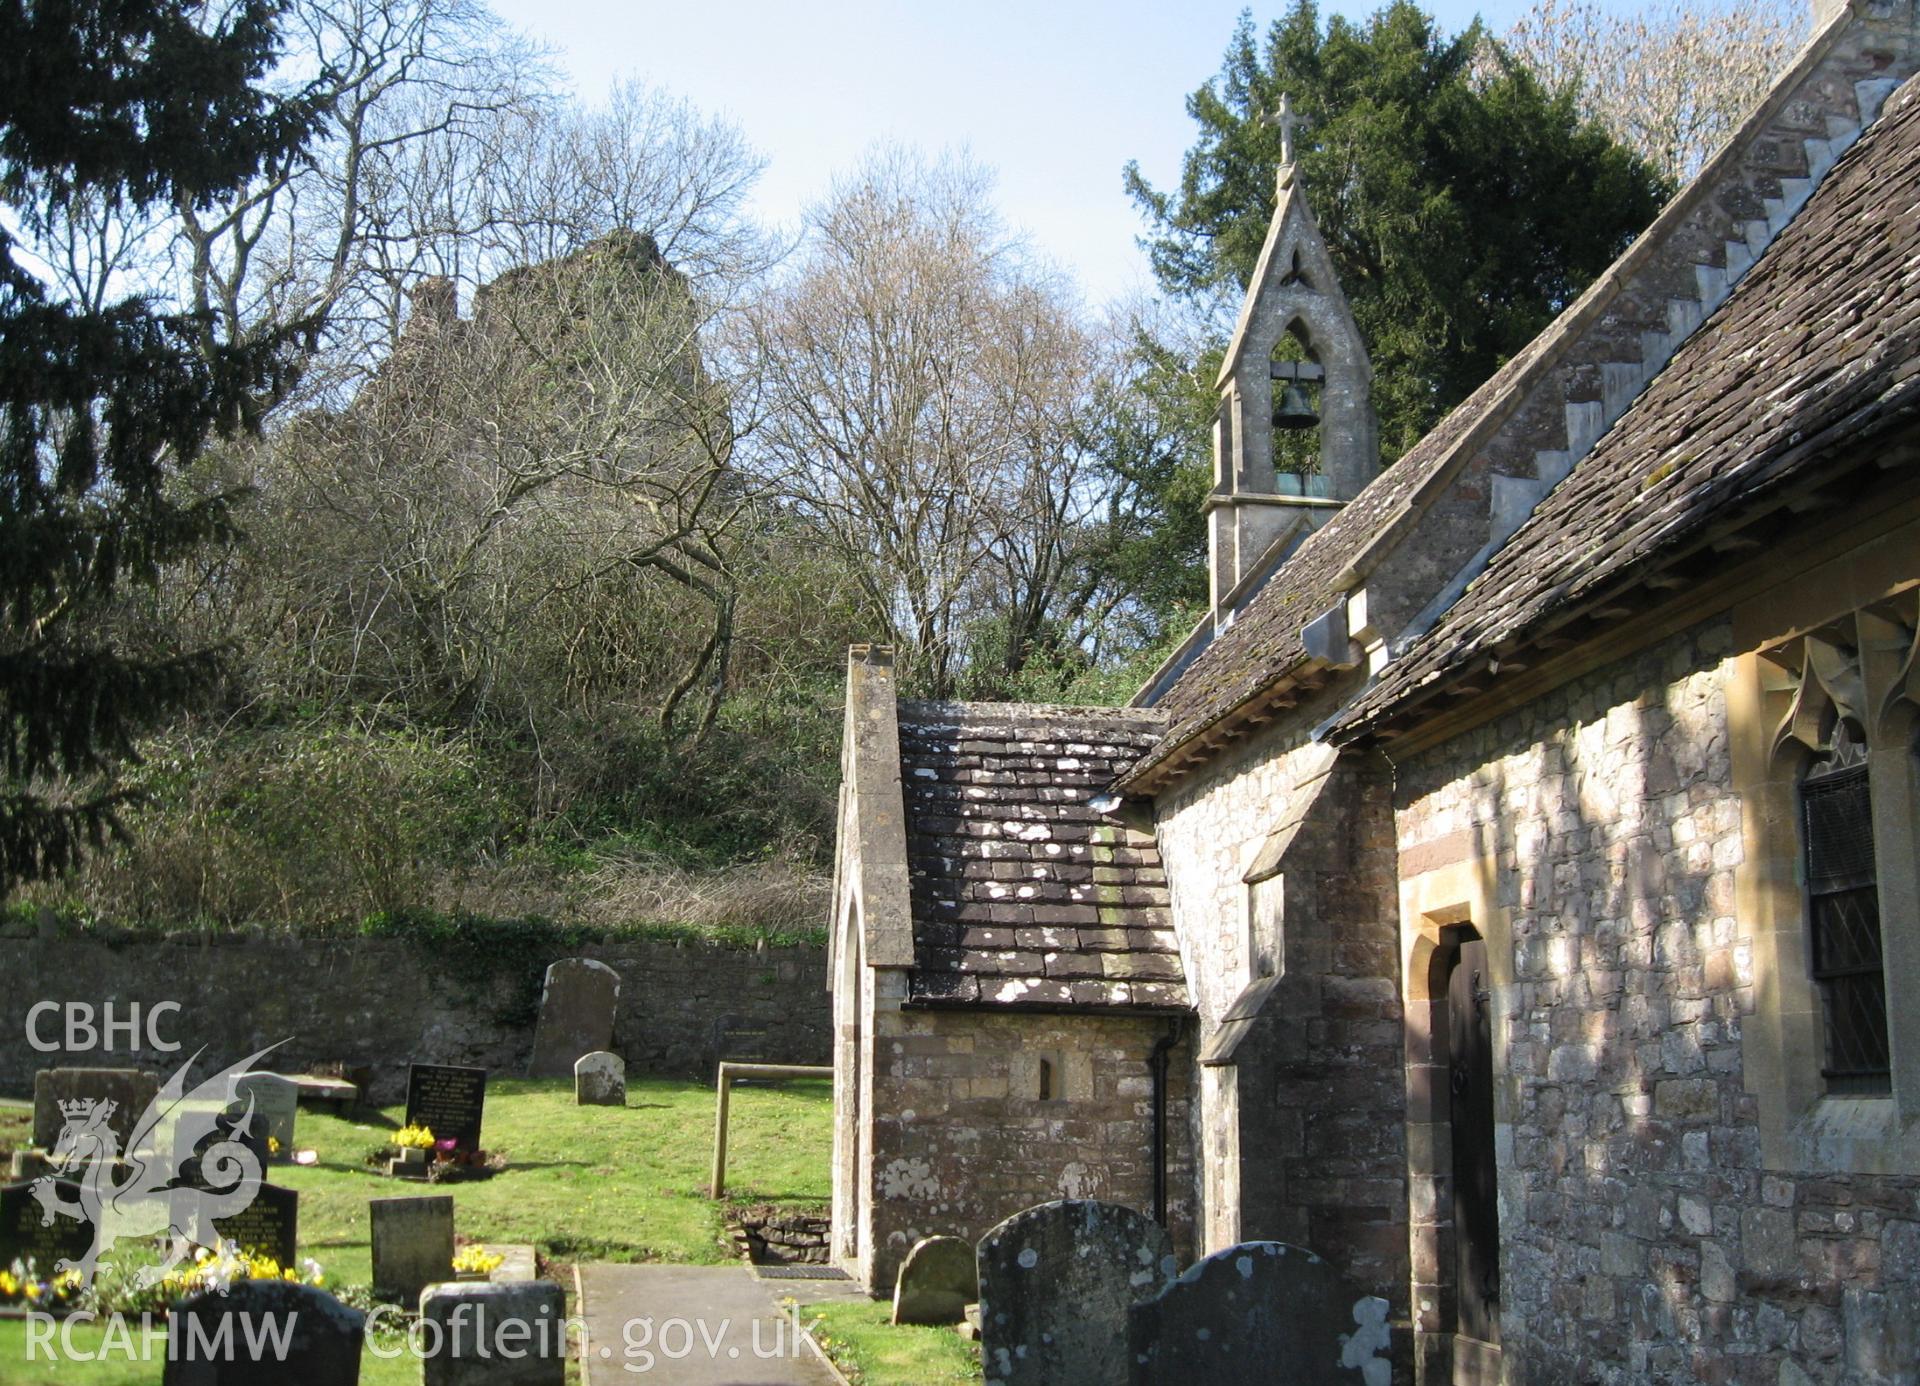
[1288, 120]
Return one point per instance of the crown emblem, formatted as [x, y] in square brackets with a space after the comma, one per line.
[76, 1108]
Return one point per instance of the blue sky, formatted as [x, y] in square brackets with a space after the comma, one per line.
[1055, 97]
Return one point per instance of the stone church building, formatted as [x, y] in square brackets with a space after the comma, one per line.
[1510, 890]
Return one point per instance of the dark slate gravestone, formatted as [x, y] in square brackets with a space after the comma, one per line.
[1056, 1282]
[131, 1090]
[496, 1335]
[1256, 1313]
[937, 1282]
[412, 1246]
[739, 1041]
[268, 1226]
[276, 1101]
[264, 1333]
[448, 1101]
[25, 1235]
[576, 1015]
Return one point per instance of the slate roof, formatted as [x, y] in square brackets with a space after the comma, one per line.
[1818, 346]
[1023, 895]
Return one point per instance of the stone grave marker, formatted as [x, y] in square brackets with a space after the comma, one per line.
[268, 1226]
[1056, 1282]
[937, 1282]
[600, 1080]
[577, 1006]
[1256, 1310]
[497, 1335]
[322, 1338]
[739, 1041]
[25, 1236]
[276, 1100]
[194, 1143]
[131, 1090]
[412, 1246]
[449, 1101]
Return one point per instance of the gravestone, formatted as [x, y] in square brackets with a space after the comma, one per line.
[739, 1041]
[131, 1090]
[268, 1226]
[412, 1246]
[577, 1006]
[26, 1236]
[1056, 1282]
[1254, 1309]
[449, 1101]
[937, 1282]
[600, 1080]
[200, 1128]
[276, 1101]
[496, 1335]
[264, 1333]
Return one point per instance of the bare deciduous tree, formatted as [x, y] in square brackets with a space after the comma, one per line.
[927, 391]
[1671, 80]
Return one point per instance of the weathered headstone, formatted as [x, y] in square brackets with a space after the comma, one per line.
[412, 1246]
[1254, 1310]
[577, 1006]
[130, 1090]
[600, 1080]
[496, 1335]
[206, 1132]
[937, 1282]
[1056, 1282]
[264, 1333]
[268, 1226]
[449, 1101]
[26, 1235]
[276, 1100]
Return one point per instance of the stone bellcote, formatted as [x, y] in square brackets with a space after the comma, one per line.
[1295, 328]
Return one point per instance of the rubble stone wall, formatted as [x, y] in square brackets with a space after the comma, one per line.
[1642, 1238]
[388, 1002]
[1301, 1139]
[962, 1138]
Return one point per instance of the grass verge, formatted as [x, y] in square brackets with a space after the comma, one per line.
[870, 1351]
[581, 1183]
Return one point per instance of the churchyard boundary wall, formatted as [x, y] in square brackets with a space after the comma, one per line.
[384, 1002]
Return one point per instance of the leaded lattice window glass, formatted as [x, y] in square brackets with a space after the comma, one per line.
[1843, 910]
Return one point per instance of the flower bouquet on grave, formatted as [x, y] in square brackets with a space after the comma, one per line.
[452, 1164]
[475, 1262]
[407, 1153]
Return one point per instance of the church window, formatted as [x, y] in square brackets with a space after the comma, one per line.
[1843, 916]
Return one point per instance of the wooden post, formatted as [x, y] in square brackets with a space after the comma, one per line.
[723, 1087]
[718, 1184]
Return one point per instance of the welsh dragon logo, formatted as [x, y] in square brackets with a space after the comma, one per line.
[178, 1127]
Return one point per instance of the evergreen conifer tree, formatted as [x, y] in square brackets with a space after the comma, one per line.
[135, 103]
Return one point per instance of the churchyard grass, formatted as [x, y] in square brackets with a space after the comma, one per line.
[581, 1183]
[870, 1351]
[16, 1127]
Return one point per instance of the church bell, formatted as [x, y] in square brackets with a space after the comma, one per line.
[1293, 410]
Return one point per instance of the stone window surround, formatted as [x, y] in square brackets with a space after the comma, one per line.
[1802, 1127]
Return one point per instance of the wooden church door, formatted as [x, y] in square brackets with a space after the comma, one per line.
[1476, 1215]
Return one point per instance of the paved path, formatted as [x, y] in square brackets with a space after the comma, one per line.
[698, 1326]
